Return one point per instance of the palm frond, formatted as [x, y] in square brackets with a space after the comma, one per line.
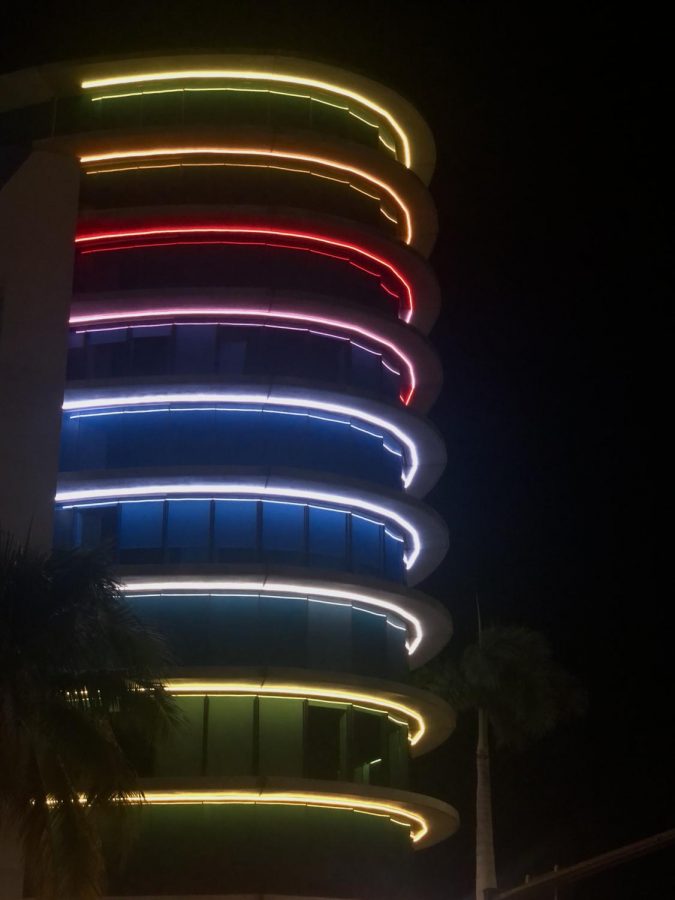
[81, 707]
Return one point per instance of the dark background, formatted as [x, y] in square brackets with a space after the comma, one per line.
[555, 374]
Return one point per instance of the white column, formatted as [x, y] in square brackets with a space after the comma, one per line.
[38, 214]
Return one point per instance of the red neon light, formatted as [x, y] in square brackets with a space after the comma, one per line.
[108, 236]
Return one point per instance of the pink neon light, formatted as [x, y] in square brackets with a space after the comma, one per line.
[171, 312]
[224, 229]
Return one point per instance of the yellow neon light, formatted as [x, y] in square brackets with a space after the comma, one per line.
[253, 151]
[326, 86]
[246, 90]
[302, 691]
[418, 825]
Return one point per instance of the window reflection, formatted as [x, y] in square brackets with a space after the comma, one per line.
[250, 350]
[229, 531]
[293, 737]
[133, 437]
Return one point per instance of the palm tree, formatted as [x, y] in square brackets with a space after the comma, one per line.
[79, 699]
[519, 693]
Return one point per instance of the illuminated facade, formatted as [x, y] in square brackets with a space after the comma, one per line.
[235, 248]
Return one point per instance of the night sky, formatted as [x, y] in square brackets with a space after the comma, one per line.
[555, 378]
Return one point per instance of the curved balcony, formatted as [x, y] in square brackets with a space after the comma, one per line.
[326, 618]
[379, 533]
[424, 720]
[189, 89]
[245, 247]
[257, 167]
[284, 335]
[118, 427]
[426, 819]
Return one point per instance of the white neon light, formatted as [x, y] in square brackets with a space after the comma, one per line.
[214, 489]
[263, 399]
[270, 586]
[170, 312]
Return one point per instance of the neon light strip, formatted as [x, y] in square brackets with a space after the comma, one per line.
[269, 586]
[300, 692]
[171, 312]
[216, 489]
[379, 808]
[295, 171]
[225, 229]
[293, 798]
[274, 77]
[249, 90]
[263, 399]
[257, 152]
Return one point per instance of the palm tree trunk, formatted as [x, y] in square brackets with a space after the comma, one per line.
[486, 877]
[11, 864]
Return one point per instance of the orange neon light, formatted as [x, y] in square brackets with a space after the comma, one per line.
[161, 152]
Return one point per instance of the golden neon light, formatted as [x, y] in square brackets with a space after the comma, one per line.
[249, 90]
[158, 152]
[301, 691]
[418, 825]
[274, 77]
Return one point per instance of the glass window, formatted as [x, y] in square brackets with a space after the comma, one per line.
[366, 367]
[281, 736]
[391, 380]
[92, 441]
[397, 753]
[108, 353]
[369, 641]
[230, 736]
[140, 531]
[162, 108]
[150, 349]
[326, 741]
[366, 447]
[96, 527]
[181, 753]
[283, 531]
[236, 530]
[192, 437]
[188, 530]
[367, 746]
[393, 556]
[134, 439]
[63, 528]
[231, 351]
[366, 545]
[283, 630]
[327, 538]
[397, 654]
[329, 635]
[323, 358]
[77, 367]
[235, 631]
[195, 349]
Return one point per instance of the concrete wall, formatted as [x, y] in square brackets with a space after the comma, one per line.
[38, 214]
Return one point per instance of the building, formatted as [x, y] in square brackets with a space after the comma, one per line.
[213, 354]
